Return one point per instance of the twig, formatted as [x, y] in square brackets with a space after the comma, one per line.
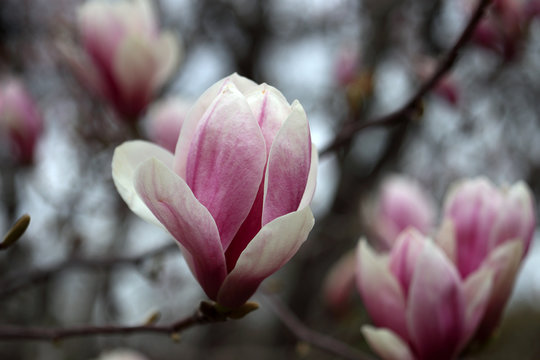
[411, 106]
[20, 281]
[304, 333]
[8, 332]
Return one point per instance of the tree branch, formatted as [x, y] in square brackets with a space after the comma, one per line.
[8, 332]
[412, 105]
[20, 281]
[304, 333]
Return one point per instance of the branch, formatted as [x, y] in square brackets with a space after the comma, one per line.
[20, 281]
[208, 312]
[8, 332]
[304, 333]
[412, 105]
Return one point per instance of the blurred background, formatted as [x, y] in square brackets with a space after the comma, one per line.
[345, 61]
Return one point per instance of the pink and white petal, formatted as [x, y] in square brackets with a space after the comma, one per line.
[134, 67]
[404, 256]
[312, 179]
[196, 114]
[477, 289]
[167, 54]
[127, 157]
[271, 109]
[288, 168]
[504, 261]
[339, 283]
[380, 290]
[516, 218]
[187, 220]
[272, 247]
[386, 343]
[436, 306]
[446, 239]
[226, 161]
[102, 29]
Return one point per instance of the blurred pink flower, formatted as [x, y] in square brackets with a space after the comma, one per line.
[347, 65]
[339, 284]
[165, 119]
[447, 88]
[20, 120]
[488, 227]
[420, 306]
[505, 27]
[126, 58]
[236, 193]
[401, 203]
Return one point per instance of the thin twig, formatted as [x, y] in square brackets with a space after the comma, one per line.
[304, 333]
[19, 281]
[8, 332]
[410, 107]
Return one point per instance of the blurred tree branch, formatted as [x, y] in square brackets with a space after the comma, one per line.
[304, 333]
[413, 106]
[8, 332]
[17, 282]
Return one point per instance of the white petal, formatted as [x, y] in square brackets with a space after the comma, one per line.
[127, 157]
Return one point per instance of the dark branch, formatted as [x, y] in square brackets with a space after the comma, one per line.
[19, 281]
[304, 333]
[8, 332]
[412, 106]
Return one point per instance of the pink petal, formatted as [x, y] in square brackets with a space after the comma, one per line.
[404, 255]
[473, 207]
[477, 289]
[188, 221]
[380, 291]
[226, 161]
[436, 306]
[446, 239]
[516, 219]
[504, 261]
[273, 246]
[134, 69]
[288, 166]
[196, 114]
[339, 283]
[247, 231]
[387, 344]
[127, 157]
[312, 179]
[271, 110]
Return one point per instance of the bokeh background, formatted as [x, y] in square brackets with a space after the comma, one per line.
[487, 122]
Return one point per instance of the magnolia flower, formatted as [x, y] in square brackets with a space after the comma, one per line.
[236, 192]
[505, 27]
[20, 120]
[401, 203]
[165, 120]
[420, 306]
[488, 227]
[126, 57]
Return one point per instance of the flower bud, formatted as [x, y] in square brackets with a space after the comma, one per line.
[165, 120]
[489, 228]
[20, 120]
[401, 203]
[126, 58]
[420, 306]
[236, 193]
